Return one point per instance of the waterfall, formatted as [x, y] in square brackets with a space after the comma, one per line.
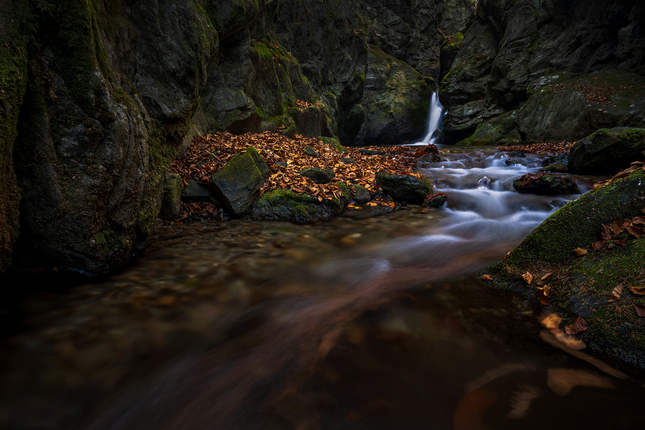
[435, 119]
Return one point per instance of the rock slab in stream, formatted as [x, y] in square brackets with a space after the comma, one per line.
[546, 184]
[286, 205]
[404, 188]
[607, 151]
[240, 181]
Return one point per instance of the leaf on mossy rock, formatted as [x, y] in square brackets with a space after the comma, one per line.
[639, 291]
[487, 278]
[543, 295]
[606, 233]
[527, 277]
[640, 310]
[579, 252]
[546, 276]
[598, 245]
[616, 293]
[576, 327]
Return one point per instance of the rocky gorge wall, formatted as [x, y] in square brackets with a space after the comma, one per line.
[544, 70]
[100, 96]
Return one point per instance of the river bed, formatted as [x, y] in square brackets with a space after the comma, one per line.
[356, 323]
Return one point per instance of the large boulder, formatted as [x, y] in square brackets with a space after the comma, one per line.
[395, 101]
[607, 151]
[171, 198]
[111, 89]
[286, 205]
[239, 182]
[404, 188]
[578, 223]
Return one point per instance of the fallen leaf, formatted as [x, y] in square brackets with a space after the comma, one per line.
[543, 294]
[640, 310]
[616, 227]
[548, 275]
[606, 233]
[616, 293]
[639, 291]
[487, 278]
[579, 252]
[527, 277]
[576, 327]
[598, 245]
[551, 320]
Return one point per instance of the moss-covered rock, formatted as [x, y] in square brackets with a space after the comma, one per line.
[577, 224]
[394, 95]
[501, 130]
[239, 182]
[607, 151]
[171, 197]
[286, 205]
[404, 188]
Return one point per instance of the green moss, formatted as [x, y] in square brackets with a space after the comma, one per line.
[632, 135]
[577, 224]
[454, 43]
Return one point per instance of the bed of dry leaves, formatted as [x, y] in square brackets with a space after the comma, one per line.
[593, 94]
[209, 153]
[540, 148]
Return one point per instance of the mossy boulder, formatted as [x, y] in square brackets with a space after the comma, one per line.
[546, 184]
[577, 224]
[404, 188]
[239, 182]
[287, 205]
[501, 130]
[607, 151]
[395, 101]
[171, 198]
[195, 192]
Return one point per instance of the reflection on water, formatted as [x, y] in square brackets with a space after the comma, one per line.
[351, 324]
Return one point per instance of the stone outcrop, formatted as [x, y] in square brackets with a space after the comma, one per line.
[607, 151]
[513, 51]
[404, 188]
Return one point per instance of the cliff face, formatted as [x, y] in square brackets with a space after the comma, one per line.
[514, 51]
[99, 96]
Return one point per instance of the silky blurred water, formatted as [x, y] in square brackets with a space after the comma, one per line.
[375, 323]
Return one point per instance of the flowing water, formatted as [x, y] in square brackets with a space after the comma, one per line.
[358, 323]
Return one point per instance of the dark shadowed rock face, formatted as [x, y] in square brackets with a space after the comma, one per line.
[110, 94]
[607, 151]
[546, 184]
[514, 49]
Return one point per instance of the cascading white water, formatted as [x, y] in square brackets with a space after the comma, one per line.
[435, 119]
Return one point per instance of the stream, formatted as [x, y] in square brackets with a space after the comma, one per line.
[358, 323]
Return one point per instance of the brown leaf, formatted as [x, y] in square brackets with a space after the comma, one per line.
[543, 294]
[562, 381]
[598, 245]
[606, 233]
[579, 252]
[640, 310]
[635, 231]
[527, 277]
[546, 276]
[639, 291]
[616, 227]
[487, 278]
[616, 293]
[576, 327]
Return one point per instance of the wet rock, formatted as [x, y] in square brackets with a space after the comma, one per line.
[552, 159]
[404, 188]
[171, 198]
[484, 181]
[512, 161]
[286, 205]
[347, 160]
[360, 194]
[238, 184]
[311, 152]
[195, 192]
[556, 167]
[395, 101]
[318, 175]
[607, 151]
[546, 184]
[370, 152]
[435, 200]
[281, 163]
